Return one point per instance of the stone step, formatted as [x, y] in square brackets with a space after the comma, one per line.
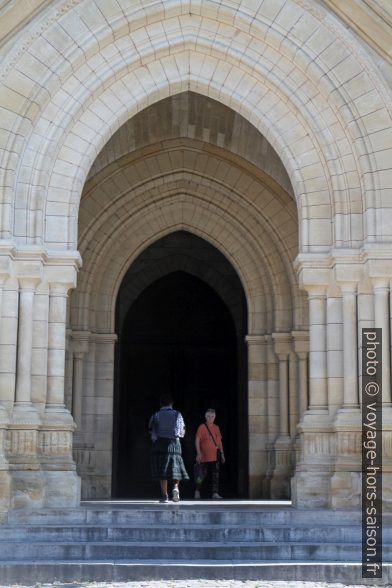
[28, 572]
[200, 533]
[251, 551]
[184, 514]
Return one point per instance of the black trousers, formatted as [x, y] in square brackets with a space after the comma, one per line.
[207, 469]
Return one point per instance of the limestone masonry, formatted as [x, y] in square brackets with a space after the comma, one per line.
[264, 128]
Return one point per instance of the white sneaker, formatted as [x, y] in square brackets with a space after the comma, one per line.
[216, 496]
[197, 494]
[175, 494]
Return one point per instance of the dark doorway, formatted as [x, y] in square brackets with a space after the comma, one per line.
[178, 336]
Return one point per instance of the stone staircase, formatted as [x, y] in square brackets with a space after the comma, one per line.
[141, 541]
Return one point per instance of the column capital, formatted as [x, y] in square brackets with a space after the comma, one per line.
[313, 269]
[282, 342]
[59, 289]
[317, 291]
[104, 337]
[301, 343]
[5, 267]
[348, 287]
[255, 340]
[28, 284]
[380, 284]
[80, 342]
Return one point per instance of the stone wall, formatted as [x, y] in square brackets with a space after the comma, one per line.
[70, 79]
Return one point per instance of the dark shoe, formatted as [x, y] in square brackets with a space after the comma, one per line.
[164, 499]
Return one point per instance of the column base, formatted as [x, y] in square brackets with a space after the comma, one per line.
[346, 488]
[5, 478]
[258, 464]
[310, 485]
[280, 481]
[70, 485]
[58, 466]
[5, 490]
[310, 489]
[27, 488]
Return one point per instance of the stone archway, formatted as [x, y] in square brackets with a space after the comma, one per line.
[190, 354]
[191, 186]
[305, 83]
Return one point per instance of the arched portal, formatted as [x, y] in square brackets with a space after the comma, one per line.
[180, 335]
[181, 322]
[313, 91]
[187, 185]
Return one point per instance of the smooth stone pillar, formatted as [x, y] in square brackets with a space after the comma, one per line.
[318, 395]
[80, 345]
[58, 465]
[382, 320]
[27, 484]
[258, 415]
[283, 394]
[301, 348]
[349, 301]
[25, 343]
[272, 390]
[284, 457]
[293, 394]
[77, 389]
[335, 369]
[5, 480]
[56, 347]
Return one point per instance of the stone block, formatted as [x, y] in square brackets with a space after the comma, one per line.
[70, 485]
[27, 489]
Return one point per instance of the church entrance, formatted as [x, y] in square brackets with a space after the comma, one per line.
[179, 336]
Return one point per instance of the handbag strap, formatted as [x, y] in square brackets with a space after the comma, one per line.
[212, 437]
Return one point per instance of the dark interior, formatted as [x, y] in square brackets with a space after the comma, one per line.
[178, 336]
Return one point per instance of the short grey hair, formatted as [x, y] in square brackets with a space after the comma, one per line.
[210, 411]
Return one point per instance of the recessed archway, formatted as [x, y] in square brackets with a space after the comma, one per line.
[231, 194]
[181, 325]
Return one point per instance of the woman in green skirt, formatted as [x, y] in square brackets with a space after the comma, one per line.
[166, 427]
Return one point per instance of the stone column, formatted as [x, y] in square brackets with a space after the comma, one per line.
[345, 483]
[272, 373]
[301, 348]
[365, 304]
[310, 484]
[27, 485]
[350, 398]
[39, 366]
[58, 426]
[56, 347]
[318, 398]
[77, 389]
[293, 394]
[25, 344]
[68, 370]
[258, 415]
[5, 480]
[335, 351]
[8, 342]
[96, 455]
[280, 486]
[382, 320]
[80, 345]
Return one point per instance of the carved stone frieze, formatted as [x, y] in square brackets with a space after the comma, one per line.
[22, 442]
[55, 443]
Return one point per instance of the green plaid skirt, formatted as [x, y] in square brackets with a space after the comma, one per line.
[166, 460]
